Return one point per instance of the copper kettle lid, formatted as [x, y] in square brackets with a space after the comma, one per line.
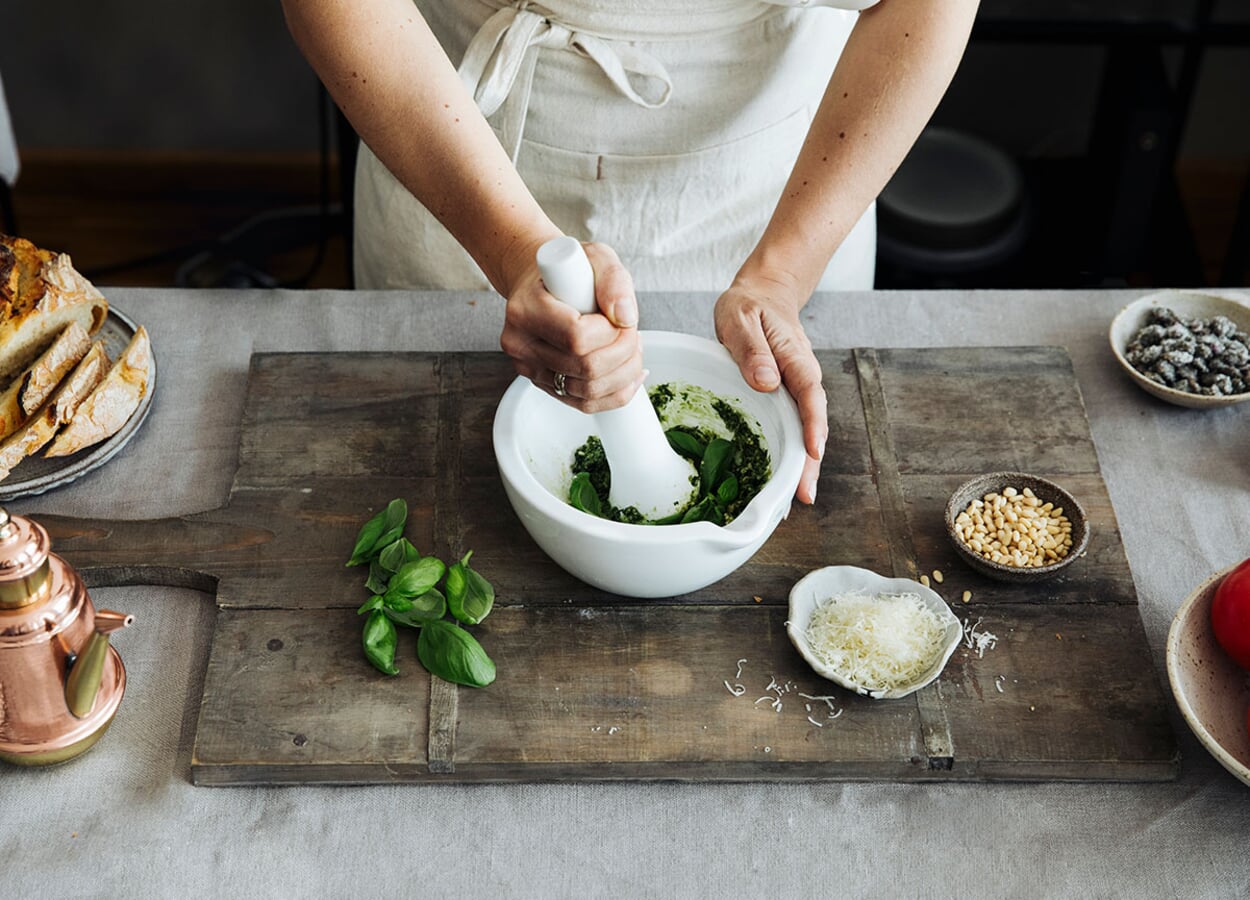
[24, 548]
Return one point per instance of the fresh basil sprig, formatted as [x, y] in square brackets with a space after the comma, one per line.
[383, 529]
[404, 590]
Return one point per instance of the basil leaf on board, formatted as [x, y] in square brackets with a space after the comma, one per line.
[379, 640]
[393, 555]
[582, 495]
[376, 582]
[415, 578]
[429, 606]
[473, 597]
[396, 601]
[384, 528]
[455, 586]
[715, 463]
[727, 490]
[411, 553]
[374, 602]
[686, 444]
[451, 653]
[366, 538]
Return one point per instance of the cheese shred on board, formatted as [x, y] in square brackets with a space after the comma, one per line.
[879, 641]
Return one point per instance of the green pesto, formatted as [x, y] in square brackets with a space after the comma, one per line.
[705, 417]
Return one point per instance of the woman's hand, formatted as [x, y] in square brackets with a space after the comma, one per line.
[599, 355]
[757, 320]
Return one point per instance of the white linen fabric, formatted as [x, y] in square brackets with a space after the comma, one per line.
[664, 130]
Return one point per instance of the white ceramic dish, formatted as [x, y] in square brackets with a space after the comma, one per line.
[535, 436]
[1213, 693]
[822, 584]
[1190, 305]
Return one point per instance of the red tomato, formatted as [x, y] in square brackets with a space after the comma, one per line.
[1230, 615]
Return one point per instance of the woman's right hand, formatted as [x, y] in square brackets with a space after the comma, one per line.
[599, 354]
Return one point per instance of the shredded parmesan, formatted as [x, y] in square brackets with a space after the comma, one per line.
[877, 641]
[980, 641]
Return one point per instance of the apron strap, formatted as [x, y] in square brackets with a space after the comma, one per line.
[498, 66]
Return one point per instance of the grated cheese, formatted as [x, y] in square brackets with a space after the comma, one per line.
[980, 641]
[878, 641]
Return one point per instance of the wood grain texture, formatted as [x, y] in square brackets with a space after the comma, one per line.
[592, 686]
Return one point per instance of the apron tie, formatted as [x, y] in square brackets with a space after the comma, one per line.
[498, 67]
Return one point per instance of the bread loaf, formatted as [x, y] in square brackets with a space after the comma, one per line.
[40, 294]
[114, 400]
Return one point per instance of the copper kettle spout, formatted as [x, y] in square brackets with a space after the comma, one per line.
[87, 670]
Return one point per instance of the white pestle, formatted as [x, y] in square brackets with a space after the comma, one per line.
[647, 473]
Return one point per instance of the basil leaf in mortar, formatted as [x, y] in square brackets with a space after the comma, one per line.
[706, 510]
[582, 495]
[379, 639]
[686, 444]
[715, 463]
[451, 653]
[727, 490]
[470, 597]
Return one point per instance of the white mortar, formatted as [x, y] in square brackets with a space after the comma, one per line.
[535, 437]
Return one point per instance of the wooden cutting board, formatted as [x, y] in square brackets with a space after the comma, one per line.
[704, 687]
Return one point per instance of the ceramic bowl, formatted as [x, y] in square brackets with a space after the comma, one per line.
[1189, 305]
[535, 437]
[1048, 491]
[1212, 691]
[821, 584]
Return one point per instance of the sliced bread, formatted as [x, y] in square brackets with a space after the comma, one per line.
[27, 392]
[112, 402]
[59, 409]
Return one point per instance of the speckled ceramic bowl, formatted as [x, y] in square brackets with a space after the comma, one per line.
[1048, 491]
[821, 584]
[1212, 691]
[1190, 305]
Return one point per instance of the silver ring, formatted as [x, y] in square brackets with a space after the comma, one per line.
[558, 384]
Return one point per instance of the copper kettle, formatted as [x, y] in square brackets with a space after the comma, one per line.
[60, 680]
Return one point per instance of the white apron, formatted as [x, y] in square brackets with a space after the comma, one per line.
[667, 133]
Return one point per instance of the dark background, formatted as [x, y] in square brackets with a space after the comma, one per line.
[153, 134]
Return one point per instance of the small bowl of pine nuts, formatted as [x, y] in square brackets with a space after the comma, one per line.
[1016, 527]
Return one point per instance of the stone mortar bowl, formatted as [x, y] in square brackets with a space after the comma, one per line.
[535, 437]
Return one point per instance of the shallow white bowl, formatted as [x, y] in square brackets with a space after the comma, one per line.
[1212, 691]
[821, 584]
[1190, 305]
[535, 437]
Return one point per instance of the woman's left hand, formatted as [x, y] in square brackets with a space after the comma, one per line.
[758, 322]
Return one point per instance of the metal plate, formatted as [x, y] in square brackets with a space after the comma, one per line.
[37, 474]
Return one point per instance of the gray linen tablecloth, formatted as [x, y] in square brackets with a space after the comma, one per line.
[125, 821]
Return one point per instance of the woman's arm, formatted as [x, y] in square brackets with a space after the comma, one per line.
[898, 62]
[387, 72]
